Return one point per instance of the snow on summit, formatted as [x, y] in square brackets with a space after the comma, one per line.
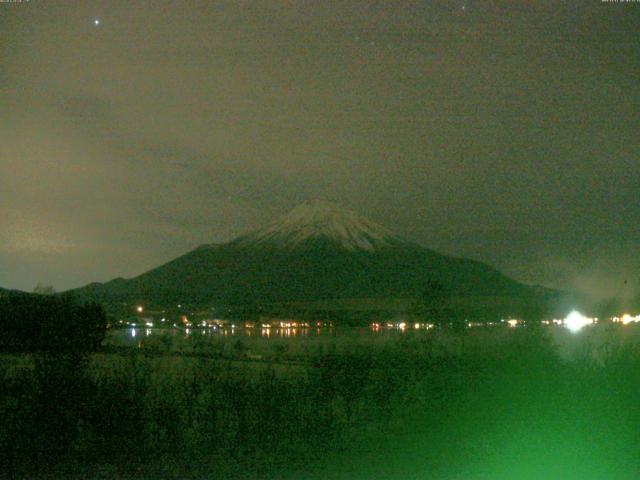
[320, 219]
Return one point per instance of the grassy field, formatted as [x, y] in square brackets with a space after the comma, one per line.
[486, 404]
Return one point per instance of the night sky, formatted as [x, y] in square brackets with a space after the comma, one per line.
[505, 131]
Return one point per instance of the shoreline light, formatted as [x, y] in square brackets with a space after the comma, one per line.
[575, 321]
[626, 319]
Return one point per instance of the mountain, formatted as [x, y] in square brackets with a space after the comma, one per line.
[318, 252]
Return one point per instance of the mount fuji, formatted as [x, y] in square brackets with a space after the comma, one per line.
[318, 252]
[322, 221]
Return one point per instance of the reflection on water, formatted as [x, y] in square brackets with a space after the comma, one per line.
[232, 331]
[195, 333]
[264, 331]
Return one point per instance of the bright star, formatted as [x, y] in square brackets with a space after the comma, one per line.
[96, 21]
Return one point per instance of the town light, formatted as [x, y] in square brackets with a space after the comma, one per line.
[626, 319]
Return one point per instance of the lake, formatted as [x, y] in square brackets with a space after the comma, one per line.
[303, 343]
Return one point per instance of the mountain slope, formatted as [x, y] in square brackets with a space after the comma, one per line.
[316, 252]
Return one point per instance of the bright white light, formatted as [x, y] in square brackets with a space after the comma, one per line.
[96, 21]
[513, 322]
[133, 332]
[575, 321]
[626, 319]
[139, 308]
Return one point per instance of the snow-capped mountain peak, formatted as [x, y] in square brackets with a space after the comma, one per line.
[323, 220]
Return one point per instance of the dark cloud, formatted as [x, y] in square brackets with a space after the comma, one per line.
[505, 131]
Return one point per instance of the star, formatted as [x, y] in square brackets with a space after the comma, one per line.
[96, 22]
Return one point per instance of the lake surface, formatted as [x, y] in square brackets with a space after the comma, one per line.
[139, 336]
[297, 343]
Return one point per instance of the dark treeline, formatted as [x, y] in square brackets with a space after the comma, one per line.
[46, 323]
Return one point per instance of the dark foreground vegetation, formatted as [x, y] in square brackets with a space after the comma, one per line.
[514, 409]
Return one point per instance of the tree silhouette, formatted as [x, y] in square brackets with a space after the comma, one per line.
[44, 289]
[37, 323]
